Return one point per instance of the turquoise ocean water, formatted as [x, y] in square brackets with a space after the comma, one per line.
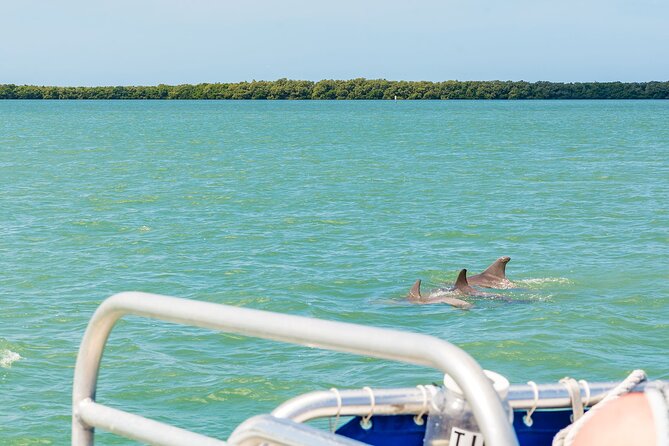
[331, 210]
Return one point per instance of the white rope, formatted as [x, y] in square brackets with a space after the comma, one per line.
[566, 436]
[527, 419]
[418, 419]
[339, 404]
[586, 386]
[366, 422]
[574, 392]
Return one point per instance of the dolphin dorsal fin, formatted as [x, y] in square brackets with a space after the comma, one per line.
[498, 268]
[461, 281]
[414, 293]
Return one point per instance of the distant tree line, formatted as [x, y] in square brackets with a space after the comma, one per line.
[352, 89]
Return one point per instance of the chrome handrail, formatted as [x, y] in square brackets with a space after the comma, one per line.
[339, 336]
[413, 401]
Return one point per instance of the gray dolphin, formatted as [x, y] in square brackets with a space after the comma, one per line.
[494, 276]
[445, 296]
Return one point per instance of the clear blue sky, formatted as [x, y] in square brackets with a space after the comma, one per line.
[147, 42]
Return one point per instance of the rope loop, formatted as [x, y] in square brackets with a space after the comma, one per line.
[527, 419]
[333, 428]
[366, 422]
[574, 392]
[418, 419]
[586, 386]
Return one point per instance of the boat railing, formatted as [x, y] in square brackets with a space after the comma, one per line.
[413, 348]
[415, 401]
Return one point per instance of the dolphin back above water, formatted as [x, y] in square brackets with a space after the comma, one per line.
[494, 276]
[445, 296]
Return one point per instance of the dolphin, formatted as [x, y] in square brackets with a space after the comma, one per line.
[445, 296]
[494, 276]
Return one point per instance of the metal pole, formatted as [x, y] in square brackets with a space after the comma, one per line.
[141, 429]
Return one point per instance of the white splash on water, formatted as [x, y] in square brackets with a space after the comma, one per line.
[7, 357]
[542, 281]
[507, 286]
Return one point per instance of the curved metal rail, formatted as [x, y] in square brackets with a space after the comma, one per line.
[339, 336]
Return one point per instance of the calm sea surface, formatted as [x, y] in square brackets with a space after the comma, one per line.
[331, 210]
